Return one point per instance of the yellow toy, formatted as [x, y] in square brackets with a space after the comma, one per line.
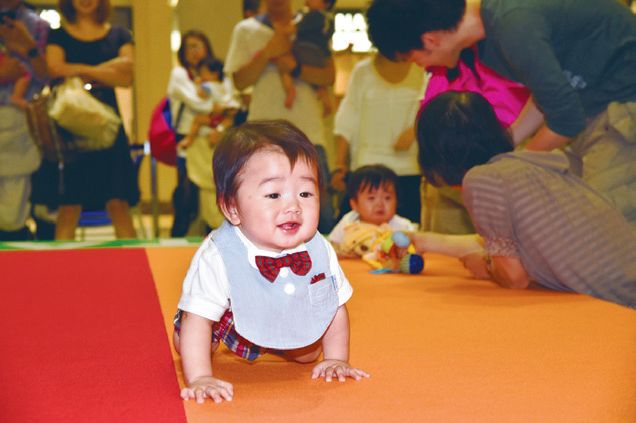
[361, 238]
[395, 253]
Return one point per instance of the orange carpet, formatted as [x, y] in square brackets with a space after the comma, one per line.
[440, 347]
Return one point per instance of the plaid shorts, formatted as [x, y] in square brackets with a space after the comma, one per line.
[223, 330]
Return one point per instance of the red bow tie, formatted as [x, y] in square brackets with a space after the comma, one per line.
[299, 263]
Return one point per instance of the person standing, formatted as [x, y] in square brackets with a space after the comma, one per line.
[254, 59]
[185, 105]
[23, 35]
[89, 47]
[577, 58]
[374, 124]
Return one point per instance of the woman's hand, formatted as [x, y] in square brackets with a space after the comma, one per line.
[405, 140]
[208, 387]
[330, 369]
[477, 264]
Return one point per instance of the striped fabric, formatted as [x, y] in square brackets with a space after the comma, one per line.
[568, 237]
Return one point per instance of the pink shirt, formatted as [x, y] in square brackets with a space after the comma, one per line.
[507, 97]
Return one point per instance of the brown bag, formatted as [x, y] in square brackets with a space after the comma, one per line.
[55, 144]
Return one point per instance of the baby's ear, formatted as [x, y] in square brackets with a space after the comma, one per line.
[353, 203]
[229, 210]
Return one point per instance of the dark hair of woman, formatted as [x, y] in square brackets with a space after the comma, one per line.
[193, 33]
[455, 132]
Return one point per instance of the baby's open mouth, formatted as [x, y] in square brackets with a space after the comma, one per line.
[289, 226]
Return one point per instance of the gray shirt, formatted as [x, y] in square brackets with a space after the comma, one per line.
[567, 236]
[575, 56]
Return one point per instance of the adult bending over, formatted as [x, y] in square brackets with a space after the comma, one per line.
[577, 57]
[538, 222]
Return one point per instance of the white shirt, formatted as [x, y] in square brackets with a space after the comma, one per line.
[206, 289]
[397, 223]
[268, 95]
[373, 114]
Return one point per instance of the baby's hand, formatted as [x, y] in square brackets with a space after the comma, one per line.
[336, 368]
[186, 142]
[208, 387]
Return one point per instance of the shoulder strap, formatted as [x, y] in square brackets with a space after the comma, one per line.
[179, 115]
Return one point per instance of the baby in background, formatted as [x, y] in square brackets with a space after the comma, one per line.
[266, 280]
[313, 30]
[210, 81]
[373, 199]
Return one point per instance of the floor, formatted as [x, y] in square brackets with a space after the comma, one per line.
[86, 337]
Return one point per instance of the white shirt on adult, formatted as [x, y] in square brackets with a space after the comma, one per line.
[373, 114]
[268, 95]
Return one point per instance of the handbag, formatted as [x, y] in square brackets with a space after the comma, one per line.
[54, 143]
[94, 125]
[162, 132]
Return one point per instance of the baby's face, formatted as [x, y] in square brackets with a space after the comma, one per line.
[277, 206]
[207, 75]
[377, 205]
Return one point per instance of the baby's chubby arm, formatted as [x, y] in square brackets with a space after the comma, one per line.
[195, 348]
[335, 345]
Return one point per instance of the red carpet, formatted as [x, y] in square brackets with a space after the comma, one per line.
[83, 339]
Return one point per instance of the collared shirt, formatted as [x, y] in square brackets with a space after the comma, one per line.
[568, 237]
[39, 29]
[206, 290]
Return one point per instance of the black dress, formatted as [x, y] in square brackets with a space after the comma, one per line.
[93, 178]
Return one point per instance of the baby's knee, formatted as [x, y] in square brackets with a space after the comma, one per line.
[307, 354]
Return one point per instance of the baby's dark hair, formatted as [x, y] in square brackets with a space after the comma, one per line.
[370, 177]
[242, 142]
[455, 132]
[329, 4]
[212, 64]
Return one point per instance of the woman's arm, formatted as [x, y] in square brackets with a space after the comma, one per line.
[117, 72]
[247, 76]
[546, 140]
[447, 244]
[181, 88]
[509, 272]
[405, 140]
[57, 65]
[527, 123]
